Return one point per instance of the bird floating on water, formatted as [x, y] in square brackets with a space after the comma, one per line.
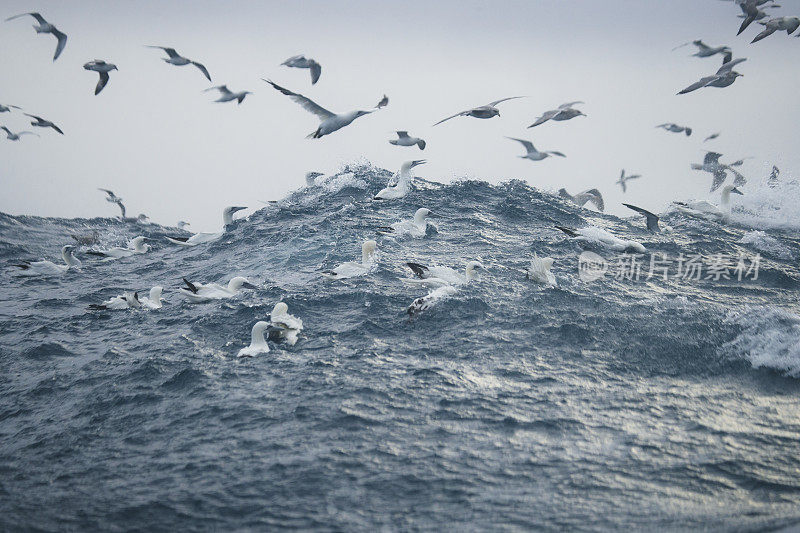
[400, 184]
[42, 123]
[199, 292]
[532, 153]
[599, 236]
[48, 267]
[46, 27]
[206, 237]
[302, 62]
[539, 271]
[485, 111]
[102, 68]
[350, 268]
[179, 61]
[589, 195]
[130, 300]
[563, 112]
[438, 276]
[403, 139]
[136, 246]
[416, 227]
[707, 210]
[285, 327]
[258, 344]
[226, 95]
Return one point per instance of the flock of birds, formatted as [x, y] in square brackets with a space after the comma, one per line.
[441, 281]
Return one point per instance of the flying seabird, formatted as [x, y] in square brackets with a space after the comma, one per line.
[788, 24]
[590, 195]
[438, 276]
[400, 184]
[595, 235]
[383, 103]
[179, 61]
[206, 237]
[15, 136]
[707, 210]
[114, 199]
[403, 139]
[136, 246]
[563, 112]
[199, 292]
[329, 122]
[623, 179]
[712, 165]
[258, 344]
[711, 137]
[42, 123]
[48, 267]
[724, 77]
[652, 220]
[415, 227]
[350, 268]
[7, 108]
[674, 128]
[226, 95]
[751, 12]
[301, 62]
[485, 111]
[102, 68]
[532, 153]
[46, 27]
[284, 326]
[703, 50]
[539, 271]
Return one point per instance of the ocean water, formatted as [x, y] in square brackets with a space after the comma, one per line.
[594, 405]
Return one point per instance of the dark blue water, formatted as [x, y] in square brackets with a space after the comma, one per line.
[598, 405]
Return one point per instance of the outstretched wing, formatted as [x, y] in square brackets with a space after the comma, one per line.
[592, 195]
[698, 84]
[202, 69]
[37, 16]
[569, 104]
[719, 179]
[306, 103]
[492, 104]
[316, 70]
[454, 116]
[727, 66]
[402, 134]
[547, 115]
[223, 89]
[652, 220]
[703, 47]
[101, 82]
[40, 119]
[527, 144]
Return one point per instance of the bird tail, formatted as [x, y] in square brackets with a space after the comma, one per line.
[191, 286]
[419, 270]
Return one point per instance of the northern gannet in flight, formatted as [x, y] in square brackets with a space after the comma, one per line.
[48, 267]
[400, 184]
[46, 27]
[351, 269]
[42, 123]
[258, 344]
[135, 246]
[595, 235]
[403, 139]
[623, 179]
[199, 293]
[329, 122]
[564, 112]
[707, 210]
[114, 199]
[724, 77]
[15, 136]
[7, 108]
[226, 95]
[590, 195]
[102, 68]
[284, 326]
[416, 227]
[179, 61]
[302, 62]
[539, 271]
[532, 153]
[787, 24]
[652, 219]
[438, 276]
[485, 111]
[206, 237]
[674, 128]
[383, 103]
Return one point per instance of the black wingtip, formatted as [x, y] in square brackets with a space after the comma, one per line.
[568, 231]
[419, 270]
[191, 286]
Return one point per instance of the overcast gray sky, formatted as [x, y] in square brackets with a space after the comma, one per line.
[158, 141]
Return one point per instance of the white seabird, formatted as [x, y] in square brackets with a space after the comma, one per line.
[199, 292]
[539, 271]
[589, 195]
[42, 123]
[135, 246]
[350, 268]
[707, 210]
[532, 153]
[787, 24]
[206, 237]
[652, 219]
[48, 267]
[485, 111]
[182, 224]
[623, 179]
[329, 122]
[403, 139]
[416, 227]
[423, 303]
[226, 95]
[102, 68]
[15, 136]
[302, 62]
[400, 184]
[178, 60]
[563, 112]
[130, 300]
[674, 128]
[284, 326]
[595, 235]
[258, 344]
[46, 27]
[438, 276]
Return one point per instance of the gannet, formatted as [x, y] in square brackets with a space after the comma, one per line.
[311, 178]
[403, 139]
[329, 122]
[485, 111]
[707, 210]
[301, 62]
[652, 220]
[87, 239]
[623, 179]
[135, 246]
[15, 136]
[102, 68]
[438, 276]
[400, 184]
[539, 271]
[198, 292]
[351, 269]
[564, 112]
[674, 128]
[7, 108]
[284, 326]
[590, 195]
[226, 95]
[46, 27]
[42, 123]
[424, 303]
[595, 235]
[206, 237]
[724, 77]
[154, 301]
[532, 153]
[788, 24]
[179, 61]
[383, 103]
[258, 344]
[128, 300]
[711, 137]
[416, 227]
[48, 267]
